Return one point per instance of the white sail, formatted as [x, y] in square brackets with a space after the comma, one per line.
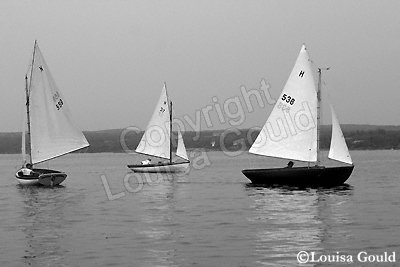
[52, 131]
[181, 150]
[338, 150]
[156, 139]
[291, 129]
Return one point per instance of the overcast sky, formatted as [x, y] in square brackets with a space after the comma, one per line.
[111, 57]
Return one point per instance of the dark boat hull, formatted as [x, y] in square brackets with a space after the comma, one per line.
[44, 177]
[316, 176]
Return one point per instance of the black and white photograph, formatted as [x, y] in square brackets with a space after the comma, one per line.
[199, 133]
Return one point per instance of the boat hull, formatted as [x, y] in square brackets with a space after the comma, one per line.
[43, 177]
[300, 176]
[160, 168]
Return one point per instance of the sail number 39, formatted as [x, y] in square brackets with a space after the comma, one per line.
[58, 100]
[288, 99]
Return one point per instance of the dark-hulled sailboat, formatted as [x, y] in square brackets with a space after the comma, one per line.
[157, 141]
[292, 132]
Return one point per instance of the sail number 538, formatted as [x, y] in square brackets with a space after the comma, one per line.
[288, 99]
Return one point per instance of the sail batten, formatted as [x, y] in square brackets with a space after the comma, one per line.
[291, 129]
[52, 132]
[338, 149]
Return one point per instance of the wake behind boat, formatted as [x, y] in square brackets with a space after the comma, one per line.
[157, 142]
[50, 131]
[296, 120]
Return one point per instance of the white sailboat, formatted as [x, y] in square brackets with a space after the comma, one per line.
[50, 130]
[292, 132]
[157, 141]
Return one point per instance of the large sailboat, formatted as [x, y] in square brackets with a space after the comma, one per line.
[157, 142]
[292, 132]
[50, 130]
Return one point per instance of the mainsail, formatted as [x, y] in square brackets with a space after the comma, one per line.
[156, 139]
[52, 132]
[338, 150]
[181, 150]
[291, 130]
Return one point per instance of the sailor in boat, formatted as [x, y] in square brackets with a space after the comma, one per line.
[290, 164]
[146, 162]
[27, 171]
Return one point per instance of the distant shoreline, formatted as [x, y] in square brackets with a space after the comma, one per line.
[206, 150]
[358, 137]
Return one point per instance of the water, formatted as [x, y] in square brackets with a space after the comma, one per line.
[210, 217]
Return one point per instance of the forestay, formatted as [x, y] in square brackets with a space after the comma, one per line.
[291, 129]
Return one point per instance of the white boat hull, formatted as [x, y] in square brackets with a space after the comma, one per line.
[43, 177]
[160, 168]
[24, 181]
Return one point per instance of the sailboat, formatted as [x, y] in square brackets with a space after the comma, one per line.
[292, 132]
[157, 141]
[50, 130]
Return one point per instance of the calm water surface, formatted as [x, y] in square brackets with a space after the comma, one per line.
[209, 217]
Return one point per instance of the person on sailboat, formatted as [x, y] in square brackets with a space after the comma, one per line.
[290, 164]
[146, 162]
[27, 170]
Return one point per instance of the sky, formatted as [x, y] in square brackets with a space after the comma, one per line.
[110, 57]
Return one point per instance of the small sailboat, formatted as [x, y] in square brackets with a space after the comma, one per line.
[292, 132]
[50, 130]
[157, 141]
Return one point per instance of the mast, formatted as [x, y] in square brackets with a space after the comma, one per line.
[170, 133]
[170, 124]
[319, 113]
[27, 89]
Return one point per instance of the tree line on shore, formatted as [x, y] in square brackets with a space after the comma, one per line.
[358, 137]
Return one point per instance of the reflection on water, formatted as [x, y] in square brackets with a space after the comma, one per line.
[43, 220]
[154, 226]
[291, 220]
[209, 217]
